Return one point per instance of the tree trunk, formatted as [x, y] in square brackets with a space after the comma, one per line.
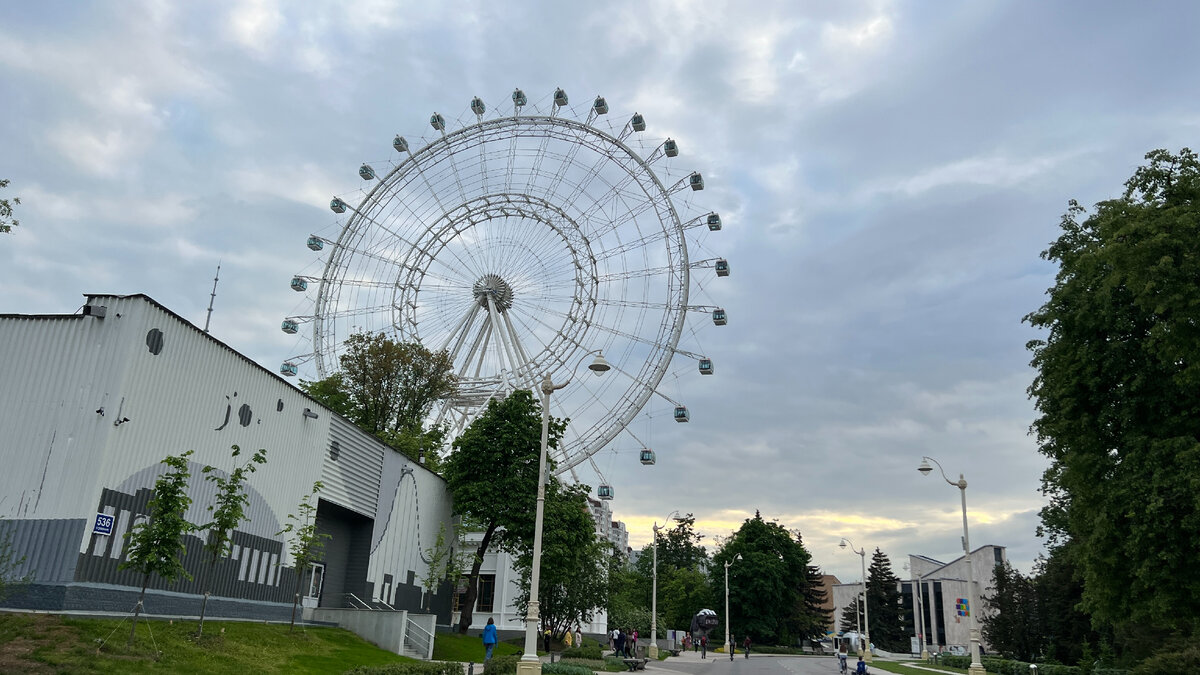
[138, 609]
[296, 598]
[468, 604]
[204, 605]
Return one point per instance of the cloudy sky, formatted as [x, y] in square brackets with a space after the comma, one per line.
[888, 172]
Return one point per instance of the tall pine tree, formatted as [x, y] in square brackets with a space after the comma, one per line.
[889, 617]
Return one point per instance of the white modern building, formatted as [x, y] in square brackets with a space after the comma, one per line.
[938, 592]
[90, 404]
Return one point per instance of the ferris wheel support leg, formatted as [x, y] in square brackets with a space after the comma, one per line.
[461, 330]
[485, 332]
[512, 333]
[498, 328]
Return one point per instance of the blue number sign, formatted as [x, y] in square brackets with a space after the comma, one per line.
[104, 524]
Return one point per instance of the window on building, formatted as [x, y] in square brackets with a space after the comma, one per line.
[484, 599]
[999, 556]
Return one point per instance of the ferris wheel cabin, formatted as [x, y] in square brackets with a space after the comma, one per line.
[722, 267]
[719, 317]
[477, 106]
[605, 492]
[670, 148]
[337, 206]
[437, 122]
[400, 144]
[714, 222]
[647, 457]
[560, 97]
[682, 414]
[299, 285]
[696, 181]
[519, 98]
[288, 369]
[638, 122]
[315, 243]
[366, 172]
[706, 367]
[290, 327]
[600, 106]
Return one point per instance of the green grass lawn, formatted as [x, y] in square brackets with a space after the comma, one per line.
[42, 643]
[888, 666]
[466, 648]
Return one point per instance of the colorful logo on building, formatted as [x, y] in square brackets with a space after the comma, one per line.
[962, 607]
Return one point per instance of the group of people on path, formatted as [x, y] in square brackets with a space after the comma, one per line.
[623, 642]
[490, 638]
[859, 669]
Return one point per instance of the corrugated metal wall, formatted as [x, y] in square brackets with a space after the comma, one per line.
[92, 404]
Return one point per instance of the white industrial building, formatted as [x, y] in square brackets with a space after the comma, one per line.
[90, 403]
[938, 592]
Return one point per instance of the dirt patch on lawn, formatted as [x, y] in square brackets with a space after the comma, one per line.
[23, 634]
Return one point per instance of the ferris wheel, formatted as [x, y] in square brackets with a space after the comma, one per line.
[523, 242]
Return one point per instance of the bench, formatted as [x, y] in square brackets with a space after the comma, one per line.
[636, 664]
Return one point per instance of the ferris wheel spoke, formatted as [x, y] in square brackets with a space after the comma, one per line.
[461, 330]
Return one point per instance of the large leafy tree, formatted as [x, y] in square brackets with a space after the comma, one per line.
[388, 389]
[1118, 396]
[493, 475]
[889, 620]
[766, 585]
[1067, 630]
[1013, 626]
[573, 580]
[683, 586]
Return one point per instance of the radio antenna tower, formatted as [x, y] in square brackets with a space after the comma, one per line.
[212, 298]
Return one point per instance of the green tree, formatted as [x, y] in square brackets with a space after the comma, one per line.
[813, 618]
[852, 615]
[766, 585]
[889, 620]
[154, 545]
[1067, 629]
[446, 561]
[308, 545]
[573, 580]
[1117, 392]
[493, 476]
[1013, 626]
[228, 511]
[7, 222]
[388, 389]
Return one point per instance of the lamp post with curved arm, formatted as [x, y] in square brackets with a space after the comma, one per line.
[866, 636]
[728, 563]
[652, 650]
[976, 667]
[529, 663]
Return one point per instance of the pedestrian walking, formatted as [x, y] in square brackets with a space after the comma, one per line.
[746, 646]
[547, 636]
[612, 640]
[703, 646]
[635, 639]
[730, 646]
[619, 644]
[489, 639]
[578, 635]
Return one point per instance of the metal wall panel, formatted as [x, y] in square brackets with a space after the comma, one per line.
[351, 466]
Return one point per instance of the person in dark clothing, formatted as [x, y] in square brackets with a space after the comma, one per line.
[746, 646]
[619, 643]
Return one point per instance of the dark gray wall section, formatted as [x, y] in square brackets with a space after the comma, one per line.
[50, 547]
[347, 553]
[108, 599]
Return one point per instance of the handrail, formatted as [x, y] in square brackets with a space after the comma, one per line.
[351, 599]
[421, 640]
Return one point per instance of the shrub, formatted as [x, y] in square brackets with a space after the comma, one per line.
[1186, 660]
[502, 665]
[561, 668]
[410, 668]
[594, 652]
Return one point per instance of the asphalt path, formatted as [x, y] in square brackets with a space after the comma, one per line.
[758, 664]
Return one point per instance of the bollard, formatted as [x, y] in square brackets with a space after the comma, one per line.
[1033, 668]
[471, 668]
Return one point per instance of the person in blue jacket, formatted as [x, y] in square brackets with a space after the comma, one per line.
[489, 639]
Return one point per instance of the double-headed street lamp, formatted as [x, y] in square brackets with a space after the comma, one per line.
[652, 650]
[866, 636]
[727, 564]
[529, 663]
[973, 606]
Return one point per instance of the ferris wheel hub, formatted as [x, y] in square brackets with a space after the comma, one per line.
[495, 287]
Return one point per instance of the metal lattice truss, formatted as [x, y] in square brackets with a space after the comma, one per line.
[519, 244]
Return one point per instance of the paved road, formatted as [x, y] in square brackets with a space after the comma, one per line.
[719, 664]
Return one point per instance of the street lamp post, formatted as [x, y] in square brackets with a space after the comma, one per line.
[866, 635]
[916, 579]
[529, 663]
[652, 650]
[727, 564]
[976, 667]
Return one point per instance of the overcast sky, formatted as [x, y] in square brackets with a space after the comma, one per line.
[889, 173]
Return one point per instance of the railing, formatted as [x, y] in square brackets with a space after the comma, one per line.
[418, 639]
[352, 601]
